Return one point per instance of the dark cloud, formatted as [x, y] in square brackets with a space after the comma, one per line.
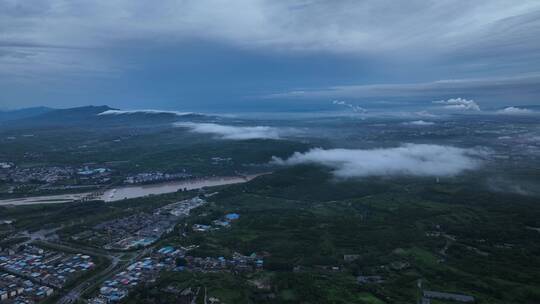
[373, 40]
[491, 90]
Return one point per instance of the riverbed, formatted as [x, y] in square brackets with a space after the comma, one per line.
[128, 192]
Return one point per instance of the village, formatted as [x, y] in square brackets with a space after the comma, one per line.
[44, 179]
[147, 269]
[30, 273]
[138, 230]
[54, 178]
[153, 177]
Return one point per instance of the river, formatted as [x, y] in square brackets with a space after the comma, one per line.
[127, 192]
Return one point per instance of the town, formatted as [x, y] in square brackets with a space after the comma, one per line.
[138, 230]
[16, 179]
[29, 274]
[169, 258]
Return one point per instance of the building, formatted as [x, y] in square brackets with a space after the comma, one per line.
[232, 216]
[435, 295]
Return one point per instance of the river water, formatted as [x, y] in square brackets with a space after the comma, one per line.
[127, 192]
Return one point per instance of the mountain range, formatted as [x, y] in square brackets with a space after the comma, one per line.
[95, 116]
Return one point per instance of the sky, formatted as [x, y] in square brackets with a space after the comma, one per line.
[257, 55]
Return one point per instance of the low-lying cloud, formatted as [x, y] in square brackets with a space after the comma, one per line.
[419, 123]
[461, 104]
[406, 160]
[515, 111]
[521, 187]
[489, 91]
[122, 112]
[232, 132]
[356, 109]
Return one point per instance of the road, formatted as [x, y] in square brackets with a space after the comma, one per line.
[116, 265]
[76, 291]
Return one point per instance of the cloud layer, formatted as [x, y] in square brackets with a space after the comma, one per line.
[356, 109]
[460, 104]
[58, 30]
[122, 112]
[406, 160]
[488, 89]
[232, 132]
[515, 111]
[419, 123]
[149, 52]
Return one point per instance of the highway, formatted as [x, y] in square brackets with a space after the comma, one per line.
[116, 265]
[73, 295]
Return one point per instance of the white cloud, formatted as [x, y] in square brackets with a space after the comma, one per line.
[346, 26]
[120, 112]
[356, 109]
[490, 89]
[521, 187]
[366, 27]
[419, 123]
[459, 104]
[515, 111]
[232, 132]
[425, 114]
[406, 160]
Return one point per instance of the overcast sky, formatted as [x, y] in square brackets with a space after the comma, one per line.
[227, 55]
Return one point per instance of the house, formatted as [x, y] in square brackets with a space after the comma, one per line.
[369, 279]
[435, 295]
[3, 295]
[221, 223]
[232, 216]
[351, 257]
[200, 228]
[187, 296]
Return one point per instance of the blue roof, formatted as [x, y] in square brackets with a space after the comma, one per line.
[232, 216]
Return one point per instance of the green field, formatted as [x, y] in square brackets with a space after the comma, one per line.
[290, 215]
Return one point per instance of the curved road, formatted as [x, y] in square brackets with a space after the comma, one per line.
[115, 266]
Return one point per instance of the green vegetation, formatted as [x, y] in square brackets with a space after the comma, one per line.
[307, 222]
[318, 234]
[75, 217]
[126, 150]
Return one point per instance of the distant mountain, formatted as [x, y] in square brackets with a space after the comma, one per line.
[100, 116]
[526, 107]
[23, 113]
[74, 114]
[60, 117]
[530, 107]
[148, 115]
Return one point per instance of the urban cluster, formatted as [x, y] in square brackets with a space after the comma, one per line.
[51, 178]
[152, 177]
[138, 230]
[144, 270]
[22, 291]
[237, 263]
[217, 224]
[147, 269]
[31, 273]
[37, 174]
